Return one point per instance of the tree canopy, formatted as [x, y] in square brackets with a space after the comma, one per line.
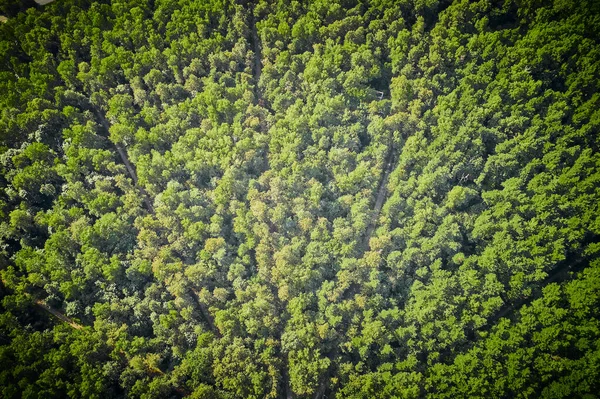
[300, 199]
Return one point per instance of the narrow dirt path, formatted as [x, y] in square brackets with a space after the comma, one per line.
[43, 305]
[382, 193]
[57, 314]
[381, 196]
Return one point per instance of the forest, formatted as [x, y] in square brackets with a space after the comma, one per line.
[300, 199]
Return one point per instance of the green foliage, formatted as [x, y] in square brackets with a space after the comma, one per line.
[350, 199]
